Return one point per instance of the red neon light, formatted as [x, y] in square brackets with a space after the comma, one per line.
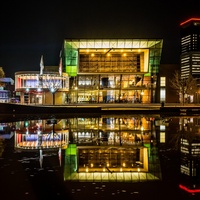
[19, 84]
[189, 20]
[189, 190]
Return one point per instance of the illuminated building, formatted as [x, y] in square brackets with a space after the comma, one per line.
[112, 70]
[97, 71]
[190, 47]
[48, 88]
[190, 53]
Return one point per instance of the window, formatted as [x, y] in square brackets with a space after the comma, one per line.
[162, 137]
[162, 95]
[162, 81]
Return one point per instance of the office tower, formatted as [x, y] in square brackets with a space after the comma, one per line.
[190, 48]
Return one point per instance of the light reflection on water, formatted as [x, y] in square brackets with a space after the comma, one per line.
[69, 156]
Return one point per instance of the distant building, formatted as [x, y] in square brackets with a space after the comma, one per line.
[6, 89]
[190, 53]
[190, 47]
[112, 70]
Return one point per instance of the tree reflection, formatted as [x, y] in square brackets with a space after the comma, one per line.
[2, 146]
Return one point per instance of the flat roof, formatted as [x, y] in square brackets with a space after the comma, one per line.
[112, 43]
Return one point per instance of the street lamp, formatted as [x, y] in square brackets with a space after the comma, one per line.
[138, 173]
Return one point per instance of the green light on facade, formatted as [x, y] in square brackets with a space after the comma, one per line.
[71, 150]
[71, 70]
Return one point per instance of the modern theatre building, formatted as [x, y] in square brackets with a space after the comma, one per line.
[100, 71]
[112, 70]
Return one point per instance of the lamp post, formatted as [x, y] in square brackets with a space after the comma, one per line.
[141, 98]
[53, 91]
[197, 97]
[138, 173]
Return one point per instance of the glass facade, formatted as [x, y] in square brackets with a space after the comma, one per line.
[112, 70]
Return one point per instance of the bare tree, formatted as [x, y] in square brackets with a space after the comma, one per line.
[2, 146]
[183, 86]
[2, 74]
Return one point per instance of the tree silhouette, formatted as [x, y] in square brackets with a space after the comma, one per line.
[2, 146]
[2, 74]
[183, 86]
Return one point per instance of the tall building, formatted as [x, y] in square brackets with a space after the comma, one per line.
[112, 70]
[190, 48]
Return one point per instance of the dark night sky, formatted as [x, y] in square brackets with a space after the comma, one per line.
[33, 28]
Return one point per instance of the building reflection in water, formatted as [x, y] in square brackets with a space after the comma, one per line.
[190, 154]
[182, 136]
[114, 148]
[107, 148]
[41, 135]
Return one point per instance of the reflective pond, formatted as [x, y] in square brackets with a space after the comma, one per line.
[101, 157]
